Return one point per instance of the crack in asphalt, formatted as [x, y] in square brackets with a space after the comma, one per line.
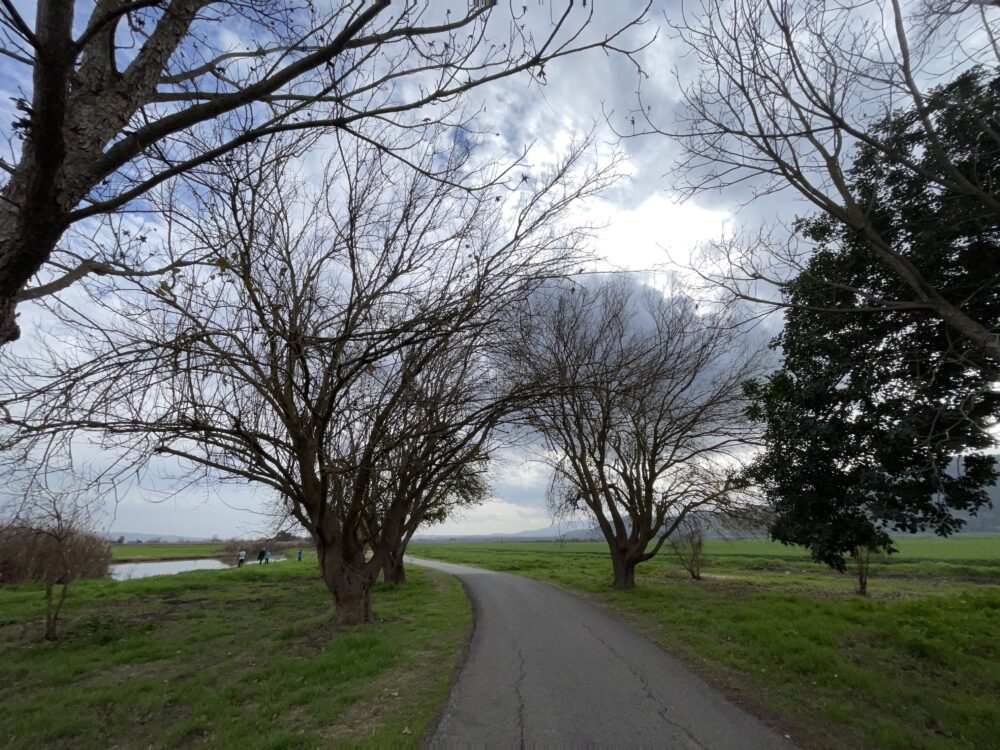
[567, 641]
[523, 673]
[661, 709]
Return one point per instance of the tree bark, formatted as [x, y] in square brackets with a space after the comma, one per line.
[52, 609]
[393, 570]
[862, 564]
[350, 581]
[623, 566]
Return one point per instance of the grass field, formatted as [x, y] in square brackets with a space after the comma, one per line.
[163, 551]
[239, 658]
[914, 665]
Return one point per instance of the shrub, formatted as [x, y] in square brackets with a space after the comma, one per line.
[53, 556]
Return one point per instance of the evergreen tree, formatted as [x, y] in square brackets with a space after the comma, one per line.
[877, 420]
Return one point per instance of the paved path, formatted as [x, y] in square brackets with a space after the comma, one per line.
[547, 669]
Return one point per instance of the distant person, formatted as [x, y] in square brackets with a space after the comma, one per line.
[300, 555]
[267, 557]
[260, 556]
[241, 558]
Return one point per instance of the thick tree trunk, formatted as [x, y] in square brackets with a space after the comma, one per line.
[392, 569]
[28, 234]
[350, 582]
[623, 566]
[34, 200]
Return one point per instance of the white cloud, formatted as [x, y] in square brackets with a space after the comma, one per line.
[646, 229]
[494, 517]
[657, 232]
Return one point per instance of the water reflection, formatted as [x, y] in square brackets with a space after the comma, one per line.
[126, 571]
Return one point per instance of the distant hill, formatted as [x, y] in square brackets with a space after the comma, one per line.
[987, 520]
[582, 531]
[566, 532]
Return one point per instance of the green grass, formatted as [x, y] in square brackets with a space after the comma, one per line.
[930, 559]
[914, 665]
[240, 658]
[166, 550]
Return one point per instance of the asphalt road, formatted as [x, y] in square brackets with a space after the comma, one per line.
[546, 669]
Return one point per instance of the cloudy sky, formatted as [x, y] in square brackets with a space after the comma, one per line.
[646, 226]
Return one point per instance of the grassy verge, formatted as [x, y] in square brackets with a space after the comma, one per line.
[246, 658]
[915, 665]
[166, 551]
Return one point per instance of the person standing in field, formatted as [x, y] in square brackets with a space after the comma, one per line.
[260, 556]
[300, 555]
[241, 558]
[267, 557]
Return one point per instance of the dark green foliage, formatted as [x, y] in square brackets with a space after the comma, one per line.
[876, 417]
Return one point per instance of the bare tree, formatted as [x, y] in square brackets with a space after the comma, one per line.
[302, 362]
[786, 92]
[862, 559]
[149, 89]
[688, 543]
[440, 450]
[647, 424]
[47, 535]
[464, 488]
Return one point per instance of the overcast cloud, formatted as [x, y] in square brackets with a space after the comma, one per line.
[646, 226]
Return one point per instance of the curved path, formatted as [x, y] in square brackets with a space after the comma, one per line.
[548, 669]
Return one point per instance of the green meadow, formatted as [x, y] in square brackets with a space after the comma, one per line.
[916, 664]
[238, 658]
[166, 550]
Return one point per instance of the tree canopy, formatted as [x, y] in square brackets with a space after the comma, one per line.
[134, 93]
[643, 422]
[878, 421]
[338, 350]
[788, 89]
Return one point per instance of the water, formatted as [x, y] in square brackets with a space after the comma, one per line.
[127, 571]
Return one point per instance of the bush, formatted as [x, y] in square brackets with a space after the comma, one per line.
[29, 554]
[688, 543]
[55, 556]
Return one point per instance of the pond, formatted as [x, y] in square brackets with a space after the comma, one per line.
[128, 571]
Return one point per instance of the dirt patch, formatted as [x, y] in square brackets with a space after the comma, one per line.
[312, 638]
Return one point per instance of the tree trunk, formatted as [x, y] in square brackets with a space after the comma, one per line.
[393, 570]
[26, 241]
[50, 621]
[862, 564]
[34, 200]
[350, 582]
[52, 609]
[624, 570]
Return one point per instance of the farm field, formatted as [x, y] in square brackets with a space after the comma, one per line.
[165, 550]
[233, 658]
[914, 665]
